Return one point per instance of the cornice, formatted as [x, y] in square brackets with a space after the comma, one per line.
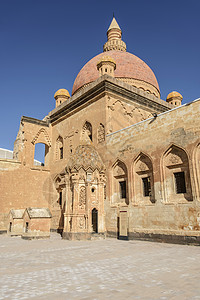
[34, 121]
[107, 83]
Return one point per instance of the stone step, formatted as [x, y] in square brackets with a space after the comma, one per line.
[97, 236]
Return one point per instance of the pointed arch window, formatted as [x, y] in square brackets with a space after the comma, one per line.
[87, 130]
[176, 181]
[59, 148]
[144, 180]
[120, 184]
[41, 154]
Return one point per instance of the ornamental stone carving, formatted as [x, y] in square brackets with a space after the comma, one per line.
[174, 159]
[82, 197]
[42, 132]
[101, 133]
[81, 222]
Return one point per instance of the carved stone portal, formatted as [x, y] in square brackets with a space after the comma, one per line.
[85, 191]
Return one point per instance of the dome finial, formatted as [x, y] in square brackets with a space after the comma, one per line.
[114, 35]
[114, 25]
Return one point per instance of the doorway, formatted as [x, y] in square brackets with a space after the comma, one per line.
[95, 220]
[123, 225]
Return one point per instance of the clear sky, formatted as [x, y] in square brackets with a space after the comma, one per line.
[44, 44]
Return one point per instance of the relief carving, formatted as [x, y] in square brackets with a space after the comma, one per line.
[141, 167]
[42, 131]
[101, 133]
[81, 222]
[82, 177]
[174, 159]
[128, 148]
[130, 111]
[82, 197]
[118, 171]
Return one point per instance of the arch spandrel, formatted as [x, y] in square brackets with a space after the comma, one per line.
[175, 155]
[142, 163]
[42, 137]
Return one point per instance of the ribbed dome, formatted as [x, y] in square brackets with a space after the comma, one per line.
[128, 66]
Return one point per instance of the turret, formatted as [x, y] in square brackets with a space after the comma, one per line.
[61, 96]
[174, 98]
[106, 65]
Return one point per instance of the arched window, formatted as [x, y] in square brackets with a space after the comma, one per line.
[87, 130]
[60, 201]
[95, 220]
[41, 154]
[120, 183]
[143, 180]
[60, 186]
[176, 181]
[101, 133]
[59, 148]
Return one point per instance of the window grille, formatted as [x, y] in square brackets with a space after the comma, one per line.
[60, 198]
[180, 182]
[146, 186]
[10, 227]
[26, 229]
[61, 152]
[122, 185]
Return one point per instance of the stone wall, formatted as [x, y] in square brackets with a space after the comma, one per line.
[22, 187]
[24, 184]
[171, 142]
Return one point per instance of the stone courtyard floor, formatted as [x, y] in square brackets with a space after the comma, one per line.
[99, 269]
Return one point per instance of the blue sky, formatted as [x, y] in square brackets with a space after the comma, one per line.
[45, 43]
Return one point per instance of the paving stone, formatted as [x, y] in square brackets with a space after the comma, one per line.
[98, 269]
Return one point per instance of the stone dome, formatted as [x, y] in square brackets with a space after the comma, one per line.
[173, 94]
[128, 66]
[62, 92]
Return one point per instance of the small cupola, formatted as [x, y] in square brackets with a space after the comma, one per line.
[174, 98]
[61, 96]
[106, 65]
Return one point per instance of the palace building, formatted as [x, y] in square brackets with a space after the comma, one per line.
[119, 161]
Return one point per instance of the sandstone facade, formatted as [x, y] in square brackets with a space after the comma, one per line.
[119, 161]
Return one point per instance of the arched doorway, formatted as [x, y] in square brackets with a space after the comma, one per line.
[95, 220]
